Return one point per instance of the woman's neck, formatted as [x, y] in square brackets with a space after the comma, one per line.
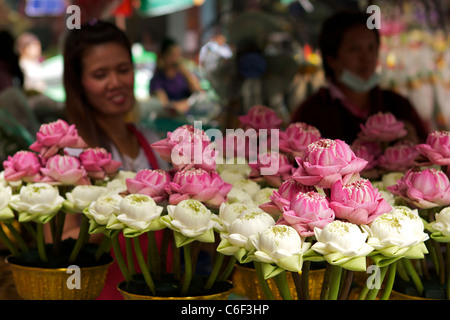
[359, 99]
[117, 131]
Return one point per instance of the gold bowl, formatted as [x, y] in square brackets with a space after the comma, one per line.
[216, 296]
[33, 283]
[247, 284]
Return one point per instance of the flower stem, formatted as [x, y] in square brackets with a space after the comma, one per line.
[164, 249]
[142, 264]
[119, 258]
[153, 255]
[447, 264]
[82, 235]
[20, 241]
[335, 280]
[104, 246]
[129, 255]
[59, 221]
[8, 243]
[298, 284]
[218, 261]
[326, 282]
[187, 269]
[440, 259]
[29, 228]
[282, 285]
[264, 285]
[389, 282]
[228, 269]
[305, 280]
[414, 276]
[374, 291]
[41, 242]
[347, 283]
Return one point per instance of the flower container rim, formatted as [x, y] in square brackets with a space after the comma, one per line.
[210, 296]
[50, 269]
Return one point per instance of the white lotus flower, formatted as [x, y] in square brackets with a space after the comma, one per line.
[138, 211]
[341, 237]
[81, 197]
[249, 223]
[398, 233]
[390, 179]
[442, 222]
[228, 212]
[249, 186]
[236, 195]
[102, 209]
[281, 245]
[37, 201]
[263, 195]
[190, 217]
[5, 197]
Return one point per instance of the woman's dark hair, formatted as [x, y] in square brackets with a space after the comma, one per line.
[9, 57]
[78, 109]
[333, 31]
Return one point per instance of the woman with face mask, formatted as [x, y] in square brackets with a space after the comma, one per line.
[349, 52]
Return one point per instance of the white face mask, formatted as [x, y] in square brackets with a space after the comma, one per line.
[358, 84]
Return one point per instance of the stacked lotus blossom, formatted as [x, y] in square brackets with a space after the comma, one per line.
[52, 165]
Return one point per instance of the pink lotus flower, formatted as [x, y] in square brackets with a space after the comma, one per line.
[98, 163]
[152, 183]
[297, 137]
[382, 127]
[327, 161]
[307, 211]
[66, 170]
[437, 148]
[367, 150]
[239, 144]
[283, 196]
[272, 167]
[357, 202]
[23, 165]
[54, 136]
[399, 157]
[187, 147]
[198, 184]
[260, 117]
[425, 189]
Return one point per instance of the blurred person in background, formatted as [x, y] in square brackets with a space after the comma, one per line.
[29, 48]
[172, 84]
[18, 119]
[350, 52]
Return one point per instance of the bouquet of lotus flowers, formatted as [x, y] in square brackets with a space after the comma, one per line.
[426, 188]
[174, 212]
[40, 186]
[324, 211]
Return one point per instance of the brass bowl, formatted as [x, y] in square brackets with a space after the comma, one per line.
[217, 296]
[247, 284]
[34, 283]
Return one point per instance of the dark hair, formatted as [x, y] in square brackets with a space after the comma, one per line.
[78, 109]
[166, 45]
[9, 57]
[333, 31]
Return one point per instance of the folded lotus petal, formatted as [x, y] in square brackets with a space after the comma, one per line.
[176, 198]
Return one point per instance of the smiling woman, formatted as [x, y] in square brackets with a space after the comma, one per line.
[99, 83]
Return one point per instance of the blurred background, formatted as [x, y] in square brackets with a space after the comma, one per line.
[245, 52]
